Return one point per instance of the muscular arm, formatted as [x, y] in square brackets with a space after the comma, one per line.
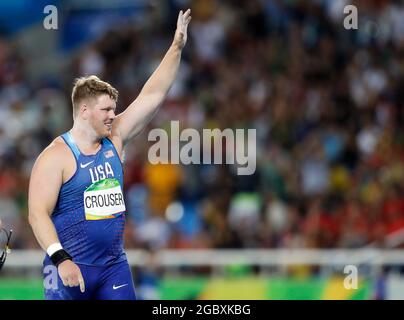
[45, 183]
[132, 121]
[46, 180]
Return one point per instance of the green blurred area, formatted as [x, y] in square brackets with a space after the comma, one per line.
[21, 289]
[189, 288]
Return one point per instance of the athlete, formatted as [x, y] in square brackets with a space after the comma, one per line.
[76, 204]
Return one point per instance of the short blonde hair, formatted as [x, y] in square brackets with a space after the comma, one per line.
[90, 87]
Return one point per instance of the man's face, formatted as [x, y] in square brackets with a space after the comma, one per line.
[101, 114]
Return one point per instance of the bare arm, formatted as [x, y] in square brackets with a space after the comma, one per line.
[46, 180]
[139, 113]
[44, 186]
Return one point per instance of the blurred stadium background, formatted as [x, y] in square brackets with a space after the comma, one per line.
[327, 104]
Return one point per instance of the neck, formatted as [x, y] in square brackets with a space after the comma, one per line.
[85, 137]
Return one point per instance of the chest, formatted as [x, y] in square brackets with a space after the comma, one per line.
[91, 169]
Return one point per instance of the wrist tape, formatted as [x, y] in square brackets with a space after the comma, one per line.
[59, 256]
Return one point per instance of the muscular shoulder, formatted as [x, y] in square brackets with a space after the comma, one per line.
[47, 176]
[56, 151]
[56, 158]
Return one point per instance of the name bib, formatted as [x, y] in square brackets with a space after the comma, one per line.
[104, 200]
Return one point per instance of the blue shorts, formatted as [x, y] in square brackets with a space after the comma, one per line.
[113, 282]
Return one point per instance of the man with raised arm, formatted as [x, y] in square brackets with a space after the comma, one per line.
[76, 204]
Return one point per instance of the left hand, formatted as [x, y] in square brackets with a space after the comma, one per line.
[180, 37]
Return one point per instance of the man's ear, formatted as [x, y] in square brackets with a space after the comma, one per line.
[84, 111]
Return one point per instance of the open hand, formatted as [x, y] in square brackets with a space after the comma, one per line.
[180, 37]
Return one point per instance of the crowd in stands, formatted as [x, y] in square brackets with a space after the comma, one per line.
[327, 105]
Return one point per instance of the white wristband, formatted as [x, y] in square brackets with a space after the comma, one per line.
[53, 248]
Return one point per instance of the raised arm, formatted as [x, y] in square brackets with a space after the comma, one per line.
[138, 114]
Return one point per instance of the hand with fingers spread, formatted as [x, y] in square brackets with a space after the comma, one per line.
[71, 275]
[180, 37]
